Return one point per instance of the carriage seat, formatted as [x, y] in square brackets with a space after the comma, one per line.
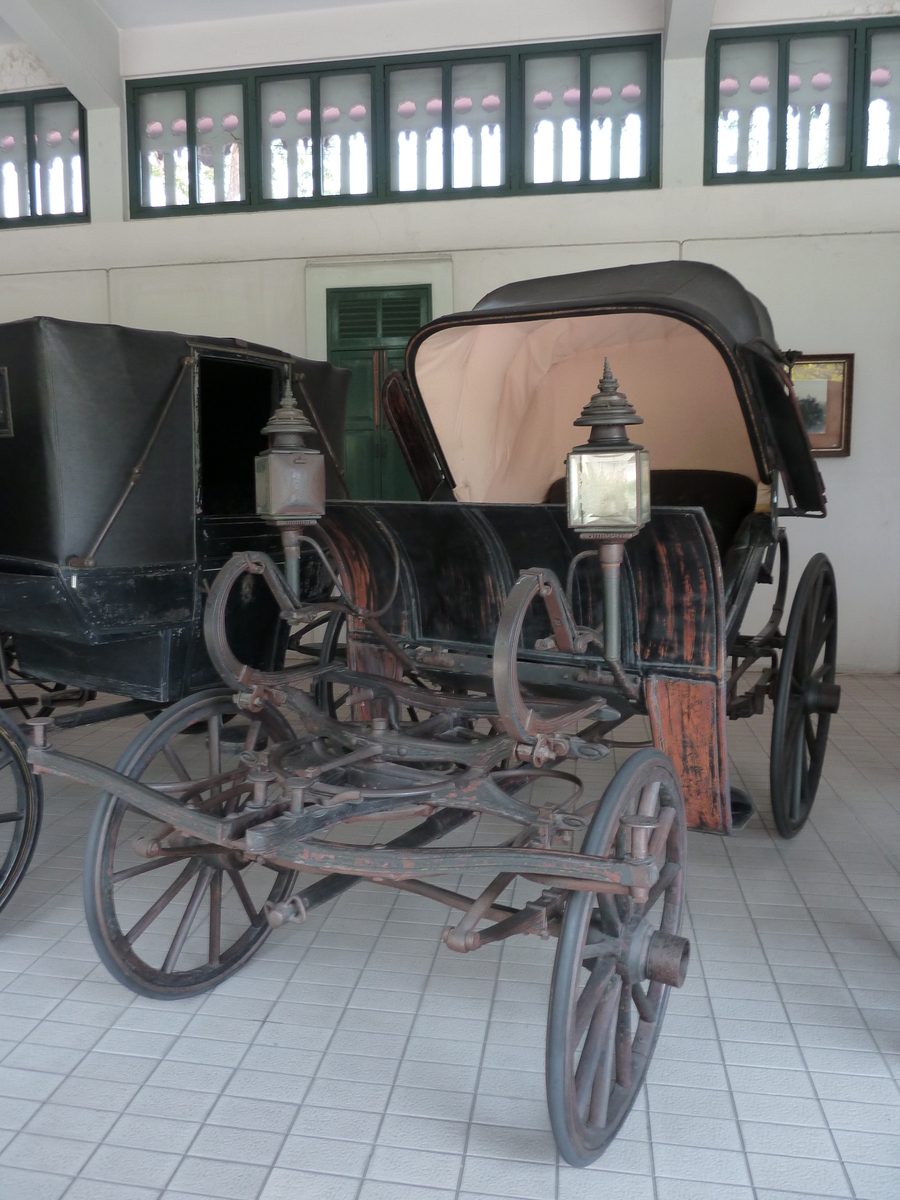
[726, 497]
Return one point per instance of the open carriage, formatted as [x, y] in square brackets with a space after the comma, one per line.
[471, 654]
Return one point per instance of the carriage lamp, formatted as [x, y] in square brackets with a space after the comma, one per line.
[608, 490]
[290, 480]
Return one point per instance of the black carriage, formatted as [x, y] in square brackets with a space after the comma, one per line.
[474, 652]
[126, 481]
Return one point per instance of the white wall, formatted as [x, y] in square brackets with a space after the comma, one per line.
[824, 257]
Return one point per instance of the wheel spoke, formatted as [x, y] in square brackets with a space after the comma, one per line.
[5, 759]
[214, 727]
[5, 818]
[597, 1045]
[667, 877]
[593, 993]
[821, 638]
[241, 888]
[176, 764]
[810, 732]
[187, 920]
[163, 860]
[215, 916]
[144, 923]
[796, 777]
[604, 1075]
[645, 1006]
[623, 1038]
[252, 736]
[609, 915]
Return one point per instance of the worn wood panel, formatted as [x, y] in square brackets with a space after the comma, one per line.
[687, 719]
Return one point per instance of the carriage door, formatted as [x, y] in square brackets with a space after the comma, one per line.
[368, 329]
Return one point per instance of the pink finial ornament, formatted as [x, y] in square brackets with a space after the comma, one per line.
[331, 114]
[881, 77]
[729, 86]
[490, 103]
[304, 116]
[543, 99]
[601, 94]
[205, 125]
[794, 83]
[407, 108]
[435, 106]
[357, 112]
[154, 129]
[572, 97]
[821, 81]
[759, 84]
[179, 126]
[631, 91]
[462, 104]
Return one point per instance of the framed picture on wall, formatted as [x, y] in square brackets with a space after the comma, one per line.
[824, 387]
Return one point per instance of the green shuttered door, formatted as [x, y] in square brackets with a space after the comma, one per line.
[368, 329]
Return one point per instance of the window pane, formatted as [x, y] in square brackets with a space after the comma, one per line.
[13, 164]
[883, 140]
[219, 112]
[58, 187]
[817, 103]
[552, 120]
[748, 96]
[479, 123]
[619, 115]
[346, 102]
[286, 132]
[164, 152]
[416, 135]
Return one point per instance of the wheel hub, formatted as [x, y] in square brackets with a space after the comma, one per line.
[647, 953]
[821, 698]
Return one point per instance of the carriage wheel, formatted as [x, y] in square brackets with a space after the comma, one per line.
[173, 921]
[323, 690]
[21, 805]
[805, 697]
[615, 963]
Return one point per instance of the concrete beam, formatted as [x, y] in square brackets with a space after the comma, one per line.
[76, 42]
[686, 28]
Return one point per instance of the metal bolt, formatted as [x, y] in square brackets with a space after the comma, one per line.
[641, 828]
[260, 781]
[39, 729]
[296, 789]
[379, 725]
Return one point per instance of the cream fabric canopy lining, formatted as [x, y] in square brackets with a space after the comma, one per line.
[502, 398]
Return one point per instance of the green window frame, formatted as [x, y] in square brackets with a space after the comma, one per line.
[789, 125]
[43, 167]
[304, 180]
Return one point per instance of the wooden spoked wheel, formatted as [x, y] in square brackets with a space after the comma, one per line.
[171, 916]
[615, 963]
[805, 697]
[21, 806]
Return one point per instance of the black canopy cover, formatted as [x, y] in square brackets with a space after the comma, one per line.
[83, 403]
[713, 302]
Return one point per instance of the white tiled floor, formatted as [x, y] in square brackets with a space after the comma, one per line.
[356, 1058]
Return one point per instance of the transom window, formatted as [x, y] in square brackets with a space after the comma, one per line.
[803, 102]
[43, 179]
[496, 122]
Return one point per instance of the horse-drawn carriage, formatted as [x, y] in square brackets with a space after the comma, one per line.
[469, 655]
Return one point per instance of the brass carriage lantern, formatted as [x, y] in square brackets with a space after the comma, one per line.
[290, 480]
[608, 490]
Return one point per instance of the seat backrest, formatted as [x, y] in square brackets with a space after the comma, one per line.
[726, 498]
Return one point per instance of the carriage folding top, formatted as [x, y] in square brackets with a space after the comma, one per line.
[466, 655]
[485, 422]
[88, 405]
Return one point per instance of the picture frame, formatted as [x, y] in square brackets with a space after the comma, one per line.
[6, 425]
[823, 384]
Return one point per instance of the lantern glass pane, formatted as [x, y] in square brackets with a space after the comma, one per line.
[645, 486]
[603, 491]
